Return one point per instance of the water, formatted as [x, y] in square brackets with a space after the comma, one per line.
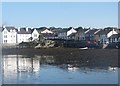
[25, 69]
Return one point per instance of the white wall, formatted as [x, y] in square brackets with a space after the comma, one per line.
[71, 31]
[35, 34]
[23, 38]
[9, 37]
[111, 33]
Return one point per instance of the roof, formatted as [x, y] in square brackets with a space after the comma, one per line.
[71, 35]
[71, 31]
[81, 30]
[118, 30]
[23, 31]
[46, 31]
[103, 31]
[92, 31]
[39, 29]
[10, 28]
[115, 36]
[62, 30]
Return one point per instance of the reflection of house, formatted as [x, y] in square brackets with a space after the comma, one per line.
[19, 63]
[23, 35]
[9, 35]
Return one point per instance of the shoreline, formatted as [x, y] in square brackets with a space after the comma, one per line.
[53, 50]
[63, 52]
[90, 57]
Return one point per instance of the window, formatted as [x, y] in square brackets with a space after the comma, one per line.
[35, 35]
[5, 41]
[5, 36]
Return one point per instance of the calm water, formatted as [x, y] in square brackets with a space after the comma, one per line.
[48, 70]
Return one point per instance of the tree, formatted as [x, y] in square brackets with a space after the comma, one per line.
[30, 39]
[41, 38]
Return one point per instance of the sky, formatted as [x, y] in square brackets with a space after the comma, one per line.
[60, 14]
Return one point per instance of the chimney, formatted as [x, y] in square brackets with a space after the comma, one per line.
[18, 29]
[3, 26]
[26, 29]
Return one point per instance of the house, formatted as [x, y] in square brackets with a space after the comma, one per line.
[114, 38]
[24, 35]
[43, 32]
[9, 35]
[104, 35]
[35, 34]
[47, 34]
[71, 33]
[80, 35]
[62, 33]
[90, 34]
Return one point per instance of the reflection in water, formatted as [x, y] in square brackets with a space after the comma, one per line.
[47, 70]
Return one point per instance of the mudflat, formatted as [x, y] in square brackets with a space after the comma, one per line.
[91, 57]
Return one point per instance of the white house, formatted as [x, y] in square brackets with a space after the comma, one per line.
[35, 34]
[12, 64]
[9, 35]
[111, 33]
[23, 35]
[71, 31]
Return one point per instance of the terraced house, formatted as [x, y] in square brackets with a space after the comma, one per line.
[13, 35]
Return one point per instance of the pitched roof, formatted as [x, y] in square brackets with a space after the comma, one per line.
[103, 31]
[46, 31]
[10, 28]
[39, 29]
[71, 31]
[92, 31]
[62, 30]
[23, 31]
[115, 36]
[81, 30]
